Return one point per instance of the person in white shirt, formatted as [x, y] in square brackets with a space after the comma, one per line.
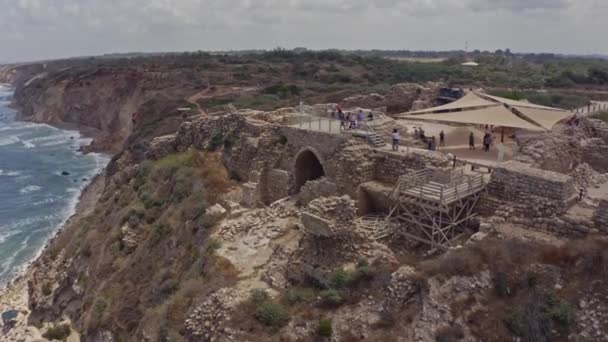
[396, 139]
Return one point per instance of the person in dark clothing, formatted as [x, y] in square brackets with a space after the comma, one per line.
[342, 120]
[471, 141]
[487, 141]
[441, 138]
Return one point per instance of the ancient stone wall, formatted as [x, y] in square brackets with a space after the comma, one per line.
[544, 193]
[315, 189]
[276, 185]
[390, 166]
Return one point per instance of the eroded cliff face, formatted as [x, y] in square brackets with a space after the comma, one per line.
[105, 102]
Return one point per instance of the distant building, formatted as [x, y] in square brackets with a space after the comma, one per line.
[471, 64]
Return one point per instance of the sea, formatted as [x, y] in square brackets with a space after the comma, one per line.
[42, 174]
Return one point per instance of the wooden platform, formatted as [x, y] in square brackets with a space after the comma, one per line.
[431, 211]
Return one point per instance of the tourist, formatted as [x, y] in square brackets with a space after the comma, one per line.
[352, 120]
[359, 118]
[348, 120]
[422, 136]
[342, 120]
[441, 138]
[471, 141]
[501, 152]
[487, 141]
[433, 144]
[370, 116]
[396, 139]
[429, 144]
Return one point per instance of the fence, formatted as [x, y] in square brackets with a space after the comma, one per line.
[318, 124]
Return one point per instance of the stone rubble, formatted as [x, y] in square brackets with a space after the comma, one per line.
[205, 323]
[402, 286]
[260, 222]
[584, 176]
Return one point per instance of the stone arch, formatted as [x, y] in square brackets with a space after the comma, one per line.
[308, 166]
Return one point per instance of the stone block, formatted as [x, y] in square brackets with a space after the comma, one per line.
[316, 225]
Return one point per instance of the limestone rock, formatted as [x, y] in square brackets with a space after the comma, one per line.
[402, 286]
[215, 213]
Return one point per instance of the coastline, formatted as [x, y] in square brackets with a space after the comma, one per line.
[14, 295]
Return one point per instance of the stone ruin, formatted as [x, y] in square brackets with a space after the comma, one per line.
[329, 216]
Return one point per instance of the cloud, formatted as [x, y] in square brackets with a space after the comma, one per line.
[33, 29]
[520, 5]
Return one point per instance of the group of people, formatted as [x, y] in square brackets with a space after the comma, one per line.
[430, 142]
[488, 140]
[350, 120]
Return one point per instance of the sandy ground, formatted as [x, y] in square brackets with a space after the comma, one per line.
[457, 140]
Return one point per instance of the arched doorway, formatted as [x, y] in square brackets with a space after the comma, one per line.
[308, 167]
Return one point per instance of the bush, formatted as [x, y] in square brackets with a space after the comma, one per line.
[259, 296]
[297, 295]
[563, 313]
[340, 278]
[325, 328]
[59, 332]
[272, 314]
[331, 297]
[215, 142]
[160, 231]
[47, 289]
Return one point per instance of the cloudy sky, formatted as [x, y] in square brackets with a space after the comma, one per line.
[38, 29]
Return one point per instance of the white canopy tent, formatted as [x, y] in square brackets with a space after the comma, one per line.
[483, 109]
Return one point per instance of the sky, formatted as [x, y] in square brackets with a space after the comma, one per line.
[42, 29]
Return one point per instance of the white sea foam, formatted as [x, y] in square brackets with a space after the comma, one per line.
[10, 140]
[4, 173]
[29, 188]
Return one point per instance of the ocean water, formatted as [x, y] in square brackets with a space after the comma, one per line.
[36, 198]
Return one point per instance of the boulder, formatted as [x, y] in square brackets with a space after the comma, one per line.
[215, 213]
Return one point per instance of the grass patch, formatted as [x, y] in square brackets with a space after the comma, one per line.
[601, 116]
[59, 332]
[47, 289]
[325, 329]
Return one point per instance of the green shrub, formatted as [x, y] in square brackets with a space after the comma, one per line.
[230, 141]
[331, 297]
[134, 217]
[259, 296]
[160, 231]
[298, 295]
[563, 313]
[325, 328]
[47, 289]
[340, 278]
[99, 309]
[272, 314]
[59, 332]
[215, 142]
